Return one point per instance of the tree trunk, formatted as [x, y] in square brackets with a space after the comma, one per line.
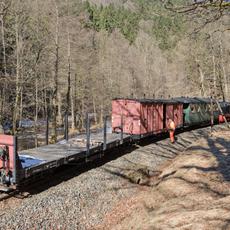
[55, 93]
[17, 90]
[36, 112]
[2, 90]
[69, 62]
[94, 111]
[21, 107]
[102, 114]
[202, 89]
[73, 103]
[214, 68]
[224, 71]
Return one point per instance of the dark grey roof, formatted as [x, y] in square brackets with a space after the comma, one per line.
[187, 100]
[224, 103]
[148, 100]
[144, 100]
[204, 100]
[208, 100]
[168, 101]
[176, 100]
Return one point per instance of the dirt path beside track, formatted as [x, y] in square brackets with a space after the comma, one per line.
[191, 192]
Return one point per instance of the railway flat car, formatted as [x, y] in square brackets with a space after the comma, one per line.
[17, 168]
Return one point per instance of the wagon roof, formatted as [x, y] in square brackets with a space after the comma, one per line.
[148, 100]
[208, 100]
[204, 100]
[188, 100]
[224, 104]
[168, 101]
[138, 100]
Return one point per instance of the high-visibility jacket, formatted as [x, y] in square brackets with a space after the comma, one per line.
[221, 118]
[172, 125]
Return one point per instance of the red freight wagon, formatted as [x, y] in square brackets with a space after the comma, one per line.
[139, 117]
[145, 116]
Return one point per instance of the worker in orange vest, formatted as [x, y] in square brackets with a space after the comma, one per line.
[172, 128]
[221, 118]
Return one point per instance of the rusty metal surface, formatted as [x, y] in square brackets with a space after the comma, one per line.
[145, 117]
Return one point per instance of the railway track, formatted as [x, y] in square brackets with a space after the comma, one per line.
[161, 148]
[17, 168]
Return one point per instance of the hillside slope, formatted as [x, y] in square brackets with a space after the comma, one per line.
[192, 192]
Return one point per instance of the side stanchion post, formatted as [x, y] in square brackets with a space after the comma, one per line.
[47, 129]
[66, 127]
[87, 135]
[212, 115]
[105, 134]
[121, 141]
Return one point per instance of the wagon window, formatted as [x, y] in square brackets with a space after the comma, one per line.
[228, 108]
[204, 108]
[211, 107]
[185, 106]
[215, 107]
[193, 109]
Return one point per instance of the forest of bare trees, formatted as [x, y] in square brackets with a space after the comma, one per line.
[62, 57]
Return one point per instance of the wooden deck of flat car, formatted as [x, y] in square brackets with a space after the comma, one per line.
[55, 155]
